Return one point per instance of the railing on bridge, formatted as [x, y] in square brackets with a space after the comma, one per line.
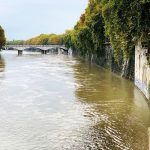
[43, 48]
[35, 46]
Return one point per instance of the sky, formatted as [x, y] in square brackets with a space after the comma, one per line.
[23, 19]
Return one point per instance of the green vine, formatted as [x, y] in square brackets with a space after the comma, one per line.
[123, 22]
[148, 59]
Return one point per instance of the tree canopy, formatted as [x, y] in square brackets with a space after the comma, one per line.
[122, 22]
[42, 39]
[88, 34]
[126, 22]
[2, 37]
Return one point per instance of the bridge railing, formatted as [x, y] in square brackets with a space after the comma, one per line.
[34, 45]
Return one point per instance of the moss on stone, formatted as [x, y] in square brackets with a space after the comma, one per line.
[148, 59]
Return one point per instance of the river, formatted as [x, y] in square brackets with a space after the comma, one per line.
[57, 102]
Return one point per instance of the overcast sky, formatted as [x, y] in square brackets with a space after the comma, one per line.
[23, 19]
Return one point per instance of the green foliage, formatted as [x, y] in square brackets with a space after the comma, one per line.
[15, 42]
[125, 22]
[88, 34]
[42, 39]
[46, 39]
[55, 39]
[2, 37]
[148, 59]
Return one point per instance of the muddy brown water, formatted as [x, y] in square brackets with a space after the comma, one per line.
[57, 102]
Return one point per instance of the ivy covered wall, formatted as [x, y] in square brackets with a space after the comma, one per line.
[121, 23]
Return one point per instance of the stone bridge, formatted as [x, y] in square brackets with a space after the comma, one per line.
[43, 48]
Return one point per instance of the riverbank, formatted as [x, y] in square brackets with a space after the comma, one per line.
[125, 69]
[108, 32]
[135, 68]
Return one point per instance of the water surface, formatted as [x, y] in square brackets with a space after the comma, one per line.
[56, 102]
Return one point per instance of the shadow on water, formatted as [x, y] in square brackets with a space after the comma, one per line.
[119, 113]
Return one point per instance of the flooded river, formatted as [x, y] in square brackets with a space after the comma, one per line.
[56, 102]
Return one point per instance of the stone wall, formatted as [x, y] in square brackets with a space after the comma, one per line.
[124, 68]
[142, 70]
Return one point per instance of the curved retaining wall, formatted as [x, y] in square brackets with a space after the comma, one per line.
[142, 70]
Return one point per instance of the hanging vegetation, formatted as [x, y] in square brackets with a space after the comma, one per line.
[123, 22]
[2, 38]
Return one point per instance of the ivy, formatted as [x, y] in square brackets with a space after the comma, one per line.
[123, 22]
[88, 35]
[148, 59]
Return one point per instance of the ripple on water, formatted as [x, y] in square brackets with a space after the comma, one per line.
[56, 102]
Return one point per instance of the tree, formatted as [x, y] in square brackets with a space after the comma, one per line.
[46, 39]
[2, 37]
[88, 35]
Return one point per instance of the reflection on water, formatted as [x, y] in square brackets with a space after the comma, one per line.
[55, 102]
[118, 110]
